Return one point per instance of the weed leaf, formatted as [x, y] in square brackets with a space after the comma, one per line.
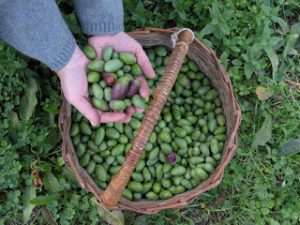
[67, 173]
[273, 58]
[295, 28]
[283, 25]
[29, 100]
[291, 147]
[29, 194]
[43, 199]
[141, 220]
[208, 29]
[290, 43]
[51, 183]
[14, 125]
[114, 217]
[264, 134]
[249, 69]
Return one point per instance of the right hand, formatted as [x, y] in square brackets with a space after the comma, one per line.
[122, 42]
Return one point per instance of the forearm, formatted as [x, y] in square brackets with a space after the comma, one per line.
[37, 29]
[100, 17]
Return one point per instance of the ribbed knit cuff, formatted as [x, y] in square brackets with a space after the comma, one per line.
[63, 57]
[100, 17]
[102, 28]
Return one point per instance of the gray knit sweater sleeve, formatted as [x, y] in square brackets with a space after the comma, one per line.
[37, 29]
[100, 17]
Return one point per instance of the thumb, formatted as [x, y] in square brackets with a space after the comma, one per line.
[144, 89]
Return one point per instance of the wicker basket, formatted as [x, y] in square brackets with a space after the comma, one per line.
[210, 66]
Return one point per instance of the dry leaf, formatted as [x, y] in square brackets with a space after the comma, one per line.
[37, 180]
[263, 93]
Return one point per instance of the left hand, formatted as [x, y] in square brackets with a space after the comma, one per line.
[75, 88]
[121, 42]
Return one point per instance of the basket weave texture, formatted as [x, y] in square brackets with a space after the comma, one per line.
[210, 66]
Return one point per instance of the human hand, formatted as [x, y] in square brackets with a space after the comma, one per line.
[75, 88]
[122, 42]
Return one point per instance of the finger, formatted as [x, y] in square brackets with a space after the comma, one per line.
[144, 88]
[107, 117]
[144, 62]
[130, 110]
[99, 43]
[139, 110]
[86, 109]
[133, 109]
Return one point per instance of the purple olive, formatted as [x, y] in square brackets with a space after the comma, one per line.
[171, 158]
[133, 88]
[120, 88]
[109, 79]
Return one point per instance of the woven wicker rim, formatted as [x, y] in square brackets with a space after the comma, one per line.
[210, 66]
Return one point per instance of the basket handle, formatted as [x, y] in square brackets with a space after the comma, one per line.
[114, 190]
